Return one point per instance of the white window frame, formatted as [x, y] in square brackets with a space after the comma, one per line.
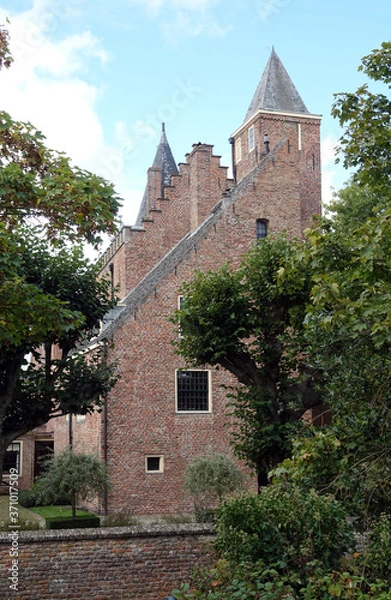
[194, 412]
[20, 469]
[161, 463]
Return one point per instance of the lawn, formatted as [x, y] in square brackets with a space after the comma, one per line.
[49, 512]
[23, 513]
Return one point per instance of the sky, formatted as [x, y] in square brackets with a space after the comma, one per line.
[98, 77]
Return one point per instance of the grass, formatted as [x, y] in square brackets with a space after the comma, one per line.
[24, 515]
[50, 512]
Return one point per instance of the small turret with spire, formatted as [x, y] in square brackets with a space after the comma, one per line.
[159, 175]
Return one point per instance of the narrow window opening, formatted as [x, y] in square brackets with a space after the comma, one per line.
[261, 229]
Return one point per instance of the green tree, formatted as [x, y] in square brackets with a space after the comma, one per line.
[72, 476]
[5, 54]
[54, 303]
[39, 183]
[347, 331]
[366, 118]
[49, 296]
[246, 322]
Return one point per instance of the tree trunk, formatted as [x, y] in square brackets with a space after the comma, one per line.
[73, 505]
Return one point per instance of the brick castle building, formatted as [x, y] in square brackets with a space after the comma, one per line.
[193, 216]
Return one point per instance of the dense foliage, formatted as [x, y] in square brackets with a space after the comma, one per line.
[250, 324]
[51, 301]
[294, 540]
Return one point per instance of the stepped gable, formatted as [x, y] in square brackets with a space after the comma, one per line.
[164, 161]
[276, 91]
[178, 253]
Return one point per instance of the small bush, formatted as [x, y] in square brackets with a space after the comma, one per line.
[209, 479]
[375, 561]
[344, 586]
[27, 498]
[225, 581]
[284, 525]
[80, 521]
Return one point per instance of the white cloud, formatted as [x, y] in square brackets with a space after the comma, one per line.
[48, 86]
[180, 19]
[187, 24]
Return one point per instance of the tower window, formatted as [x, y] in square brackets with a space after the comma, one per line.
[193, 391]
[261, 229]
[251, 139]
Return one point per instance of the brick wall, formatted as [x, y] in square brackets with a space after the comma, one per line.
[104, 564]
[142, 416]
[195, 190]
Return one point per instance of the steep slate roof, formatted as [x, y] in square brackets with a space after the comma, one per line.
[276, 91]
[164, 160]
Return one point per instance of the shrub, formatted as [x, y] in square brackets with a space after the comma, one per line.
[226, 581]
[208, 479]
[80, 521]
[284, 526]
[375, 561]
[27, 498]
[344, 586]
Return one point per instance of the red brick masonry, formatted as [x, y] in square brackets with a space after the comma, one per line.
[103, 564]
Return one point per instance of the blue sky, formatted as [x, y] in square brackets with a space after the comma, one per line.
[99, 76]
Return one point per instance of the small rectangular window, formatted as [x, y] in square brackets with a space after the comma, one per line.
[261, 229]
[154, 464]
[193, 391]
[251, 140]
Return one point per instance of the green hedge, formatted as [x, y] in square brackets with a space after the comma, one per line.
[72, 522]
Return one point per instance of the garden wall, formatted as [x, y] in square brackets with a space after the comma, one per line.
[101, 564]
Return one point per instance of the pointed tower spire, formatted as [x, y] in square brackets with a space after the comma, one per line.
[276, 91]
[165, 163]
